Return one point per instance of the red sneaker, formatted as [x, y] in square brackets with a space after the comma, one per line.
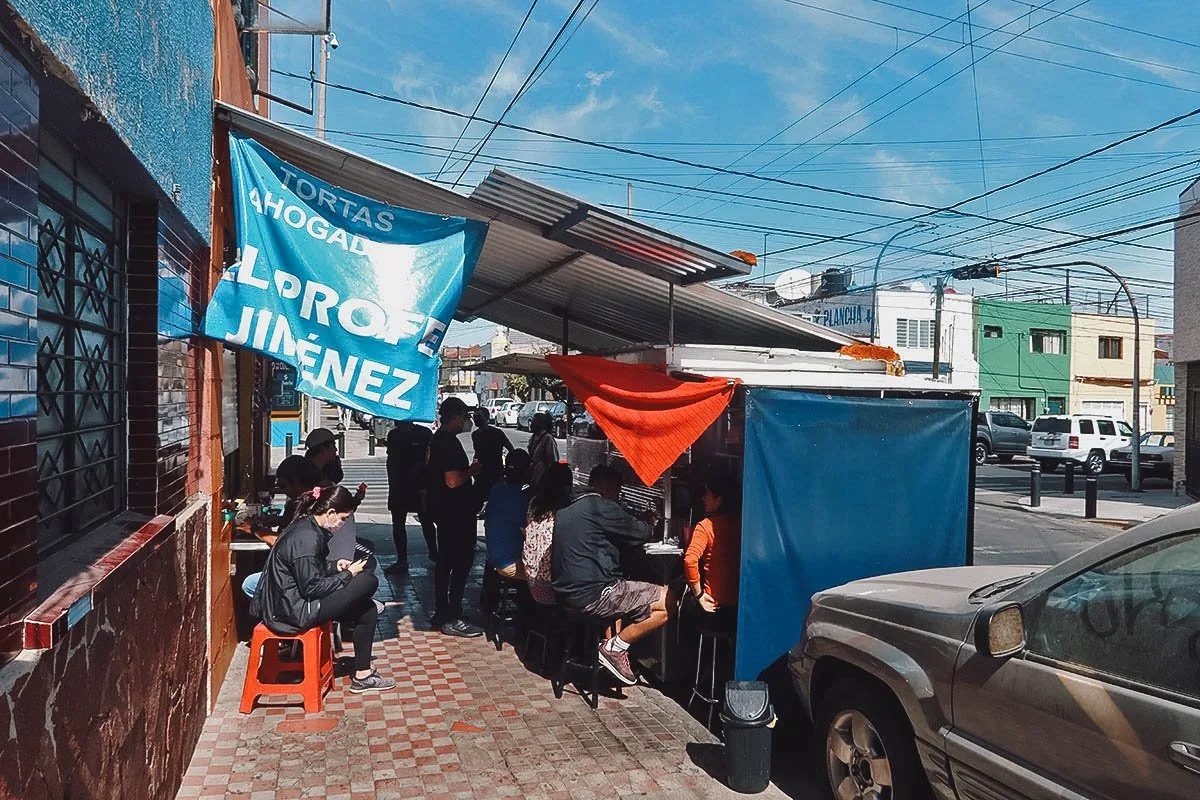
[617, 662]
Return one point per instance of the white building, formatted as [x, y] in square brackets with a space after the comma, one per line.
[906, 324]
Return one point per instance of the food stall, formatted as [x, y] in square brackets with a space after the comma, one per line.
[848, 469]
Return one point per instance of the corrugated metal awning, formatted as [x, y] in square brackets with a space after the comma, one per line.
[527, 281]
[593, 230]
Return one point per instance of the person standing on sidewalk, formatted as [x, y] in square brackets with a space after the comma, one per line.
[320, 447]
[543, 450]
[407, 445]
[452, 503]
[491, 444]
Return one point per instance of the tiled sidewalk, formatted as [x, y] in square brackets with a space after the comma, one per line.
[465, 721]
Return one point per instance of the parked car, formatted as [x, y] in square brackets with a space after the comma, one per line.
[1000, 434]
[531, 408]
[508, 414]
[1157, 456]
[1080, 681]
[1086, 440]
[582, 423]
[495, 405]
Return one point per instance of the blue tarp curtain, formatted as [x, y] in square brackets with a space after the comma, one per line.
[838, 488]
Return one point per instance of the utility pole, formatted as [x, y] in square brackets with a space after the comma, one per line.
[1068, 298]
[937, 327]
[322, 72]
[629, 199]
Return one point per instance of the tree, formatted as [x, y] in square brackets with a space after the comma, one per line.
[523, 386]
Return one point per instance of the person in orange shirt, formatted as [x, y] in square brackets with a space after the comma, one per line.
[713, 556]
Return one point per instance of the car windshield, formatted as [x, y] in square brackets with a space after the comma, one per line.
[1052, 425]
[1159, 439]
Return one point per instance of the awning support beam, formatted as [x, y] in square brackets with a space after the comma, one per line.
[566, 223]
[561, 264]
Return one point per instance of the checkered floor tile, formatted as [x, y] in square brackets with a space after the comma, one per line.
[465, 721]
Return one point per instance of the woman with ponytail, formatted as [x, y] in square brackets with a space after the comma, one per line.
[300, 589]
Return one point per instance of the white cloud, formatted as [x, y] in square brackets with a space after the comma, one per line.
[597, 79]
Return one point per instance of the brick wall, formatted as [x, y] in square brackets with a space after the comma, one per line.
[166, 264]
[18, 347]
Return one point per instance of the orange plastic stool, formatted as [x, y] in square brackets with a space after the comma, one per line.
[317, 647]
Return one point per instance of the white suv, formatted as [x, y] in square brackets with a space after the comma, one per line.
[1086, 440]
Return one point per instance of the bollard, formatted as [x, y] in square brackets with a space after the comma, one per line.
[1035, 486]
[370, 443]
[1089, 498]
[1069, 479]
[341, 443]
[287, 445]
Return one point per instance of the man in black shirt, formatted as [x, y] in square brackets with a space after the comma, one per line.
[407, 445]
[452, 502]
[491, 444]
[589, 535]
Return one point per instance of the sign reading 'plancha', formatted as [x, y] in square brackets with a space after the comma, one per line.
[354, 293]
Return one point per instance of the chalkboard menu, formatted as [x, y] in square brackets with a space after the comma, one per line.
[281, 387]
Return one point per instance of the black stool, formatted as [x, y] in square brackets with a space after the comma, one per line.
[543, 622]
[581, 652]
[504, 611]
[714, 637]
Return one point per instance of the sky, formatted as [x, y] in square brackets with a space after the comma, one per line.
[857, 119]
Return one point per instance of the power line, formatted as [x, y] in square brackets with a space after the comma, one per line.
[530, 79]
[488, 88]
[698, 165]
[570, 36]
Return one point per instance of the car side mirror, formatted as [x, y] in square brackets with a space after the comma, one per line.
[1028, 426]
[1000, 631]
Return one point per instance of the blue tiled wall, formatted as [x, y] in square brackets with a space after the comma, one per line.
[18, 226]
[147, 65]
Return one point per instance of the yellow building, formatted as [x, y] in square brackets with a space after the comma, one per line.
[1102, 369]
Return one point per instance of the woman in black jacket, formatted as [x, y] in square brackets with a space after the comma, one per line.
[301, 589]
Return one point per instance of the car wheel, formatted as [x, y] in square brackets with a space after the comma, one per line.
[981, 451]
[1048, 466]
[869, 748]
[1094, 463]
[1005, 459]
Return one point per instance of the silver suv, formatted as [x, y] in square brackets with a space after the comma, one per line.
[1077, 681]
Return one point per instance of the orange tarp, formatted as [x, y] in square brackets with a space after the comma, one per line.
[651, 417]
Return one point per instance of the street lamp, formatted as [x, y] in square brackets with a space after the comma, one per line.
[875, 274]
[993, 269]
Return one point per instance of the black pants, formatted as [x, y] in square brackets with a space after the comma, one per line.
[353, 605]
[456, 536]
[400, 534]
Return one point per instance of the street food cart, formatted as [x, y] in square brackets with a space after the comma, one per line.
[847, 471]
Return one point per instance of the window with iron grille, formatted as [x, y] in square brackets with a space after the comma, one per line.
[81, 302]
[1048, 342]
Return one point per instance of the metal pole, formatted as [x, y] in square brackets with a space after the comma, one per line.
[1089, 498]
[937, 328]
[1069, 478]
[670, 315]
[629, 199]
[287, 444]
[1035, 486]
[875, 275]
[322, 71]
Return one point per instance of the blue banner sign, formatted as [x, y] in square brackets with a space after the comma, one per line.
[354, 293]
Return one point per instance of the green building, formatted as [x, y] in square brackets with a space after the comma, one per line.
[1024, 358]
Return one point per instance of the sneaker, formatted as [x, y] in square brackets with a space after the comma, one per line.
[372, 683]
[399, 568]
[379, 606]
[462, 629]
[617, 662]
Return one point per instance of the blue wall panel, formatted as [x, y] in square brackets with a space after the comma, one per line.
[841, 488]
[147, 66]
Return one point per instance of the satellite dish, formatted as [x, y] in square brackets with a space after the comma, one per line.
[795, 284]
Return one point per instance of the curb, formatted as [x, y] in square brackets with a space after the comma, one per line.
[1123, 524]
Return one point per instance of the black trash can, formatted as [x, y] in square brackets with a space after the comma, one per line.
[748, 718]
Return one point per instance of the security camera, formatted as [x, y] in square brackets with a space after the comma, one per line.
[332, 40]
